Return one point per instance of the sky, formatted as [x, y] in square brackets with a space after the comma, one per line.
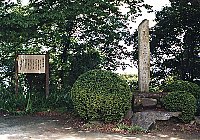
[157, 6]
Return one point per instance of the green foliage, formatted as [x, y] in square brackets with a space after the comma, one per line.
[80, 35]
[12, 102]
[179, 42]
[101, 95]
[175, 41]
[132, 128]
[59, 99]
[198, 107]
[132, 81]
[183, 102]
[179, 85]
[81, 63]
[154, 88]
[33, 102]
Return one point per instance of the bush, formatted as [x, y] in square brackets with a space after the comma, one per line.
[198, 107]
[180, 85]
[12, 102]
[131, 80]
[32, 102]
[101, 95]
[181, 101]
[132, 128]
[59, 100]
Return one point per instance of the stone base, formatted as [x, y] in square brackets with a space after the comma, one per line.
[147, 118]
[148, 102]
[197, 120]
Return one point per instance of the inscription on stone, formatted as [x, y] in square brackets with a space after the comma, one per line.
[144, 56]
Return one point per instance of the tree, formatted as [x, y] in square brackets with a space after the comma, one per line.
[70, 30]
[175, 40]
[17, 29]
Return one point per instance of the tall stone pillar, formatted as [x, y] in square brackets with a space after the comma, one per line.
[144, 56]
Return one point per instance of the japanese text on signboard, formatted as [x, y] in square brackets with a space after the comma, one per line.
[31, 63]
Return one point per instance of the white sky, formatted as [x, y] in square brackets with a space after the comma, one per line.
[157, 6]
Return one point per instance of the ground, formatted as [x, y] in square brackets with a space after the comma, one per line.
[172, 127]
[55, 126]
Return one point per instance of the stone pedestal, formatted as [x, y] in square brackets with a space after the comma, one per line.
[147, 118]
[149, 102]
[197, 120]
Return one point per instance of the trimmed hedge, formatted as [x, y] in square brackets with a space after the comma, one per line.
[101, 95]
[181, 101]
[180, 85]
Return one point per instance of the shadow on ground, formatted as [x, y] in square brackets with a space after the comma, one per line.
[52, 128]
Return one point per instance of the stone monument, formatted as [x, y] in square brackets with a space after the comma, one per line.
[144, 56]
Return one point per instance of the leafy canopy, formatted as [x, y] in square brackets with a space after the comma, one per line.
[175, 43]
[85, 32]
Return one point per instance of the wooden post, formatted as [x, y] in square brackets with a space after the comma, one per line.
[16, 74]
[144, 56]
[47, 74]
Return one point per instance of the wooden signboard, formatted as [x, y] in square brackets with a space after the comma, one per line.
[32, 63]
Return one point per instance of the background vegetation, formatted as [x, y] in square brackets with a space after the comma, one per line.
[83, 35]
[79, 36]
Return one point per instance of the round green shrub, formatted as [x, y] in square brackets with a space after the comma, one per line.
[101, 95]
[183, 102]
[180, 85]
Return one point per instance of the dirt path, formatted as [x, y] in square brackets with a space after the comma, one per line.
[51, 128]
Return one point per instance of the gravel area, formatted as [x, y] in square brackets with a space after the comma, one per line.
[53, 128]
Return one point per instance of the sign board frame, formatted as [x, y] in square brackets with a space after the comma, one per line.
[32, 63]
